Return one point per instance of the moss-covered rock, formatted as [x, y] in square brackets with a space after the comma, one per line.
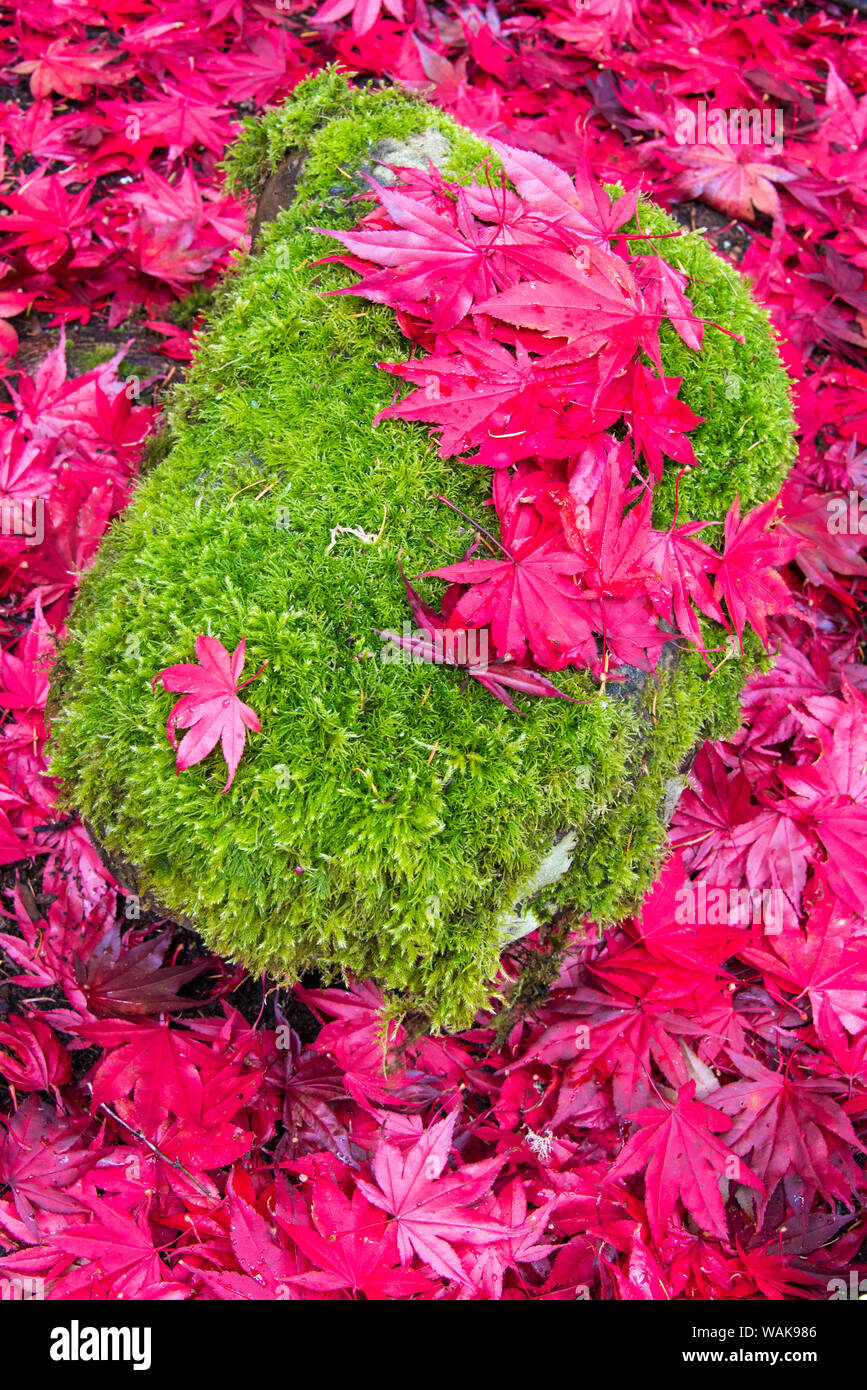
[385, 820]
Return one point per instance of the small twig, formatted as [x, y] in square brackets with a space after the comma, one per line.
[172, 1162]
[244, 489]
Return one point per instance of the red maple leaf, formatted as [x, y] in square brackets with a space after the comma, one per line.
[731, 178]
[121, 979]
[678, 1146]
[663, 288]
[581, 207]
[353, 1247]
[829, 794]
[211, 709]
[713, 807]
[746, 576]
[69, 69]
[659, 420]
[784, 1123]
[428, 257]
[682, 568]
[432, 1212]
[32, 1057]
[611, 536]
[527, 597]
[600, 314]
[478, 391]
[820, 966]
[40, 1159]
[148, 1071]
[45, 219]
[446, 644]
[616, 1037]
[121, 1245]
[364, 13]
[308, 1086]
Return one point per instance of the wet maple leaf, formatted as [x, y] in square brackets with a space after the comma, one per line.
[180, 120]
[69, 69]
[528, 596]
[433, 1211]
[132, 981]
[32, 1057]
[308, 1086]
[788, 1123]
[684, 1158]
[828, 795]
[354, 1248]
[601, 314]
[172, 252]
[616, 1036]
[427, 257]
[148, 1071]
[825, 554]
[471, 393]
[773, 1277]
[682, 565]
[580, 206]
[211, 709]
[364, 13]
[40, 1158]
[659, 420]
[778, 850]
[746, 575]
[444, 644]
[267, 1264]
[819, 966]
[611, 536]
[120, 1243]
[731, 179]
[664, 287]
[45, 219]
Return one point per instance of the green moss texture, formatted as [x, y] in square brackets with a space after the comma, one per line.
[413, 810]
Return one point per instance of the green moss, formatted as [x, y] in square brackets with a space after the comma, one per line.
[184, 312]
[85, 359]
[384, 819]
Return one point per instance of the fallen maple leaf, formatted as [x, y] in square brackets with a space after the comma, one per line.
[746, 576]
[211, 709]
[678, 1146]
[71, 68]
[787, 1124]
[732, 179]
[527, 596]
[432, 1212]
[40, 1159]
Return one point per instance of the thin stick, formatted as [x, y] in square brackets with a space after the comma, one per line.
[172, 1162]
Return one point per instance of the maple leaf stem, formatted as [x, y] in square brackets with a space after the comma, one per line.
[478, 527]
[252, 678]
